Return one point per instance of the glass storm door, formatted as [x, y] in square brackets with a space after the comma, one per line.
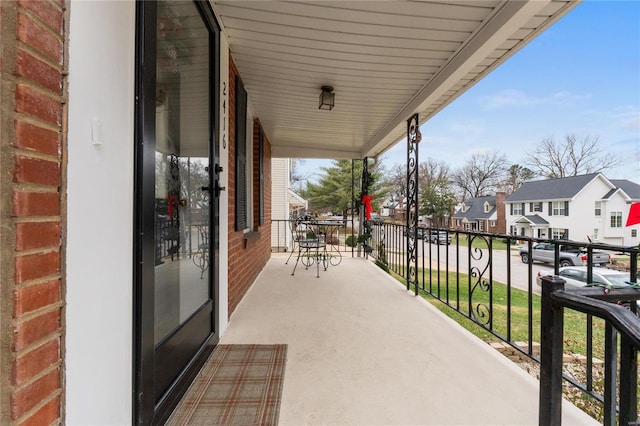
[176, 210]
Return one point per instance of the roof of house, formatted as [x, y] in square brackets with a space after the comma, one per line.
[551, 189]
[296, 200]
[632, 189]
[568, 187]
[533, 219]
[476, 208]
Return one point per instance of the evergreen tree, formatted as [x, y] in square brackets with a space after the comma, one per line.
[437, 199]
[333, 190]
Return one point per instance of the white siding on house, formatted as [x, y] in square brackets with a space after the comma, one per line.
[617, 203]
[280, 179]
[582, 219]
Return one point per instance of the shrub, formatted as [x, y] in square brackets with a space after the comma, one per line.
[351, 241]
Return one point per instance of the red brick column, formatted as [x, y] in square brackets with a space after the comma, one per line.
[32, 212]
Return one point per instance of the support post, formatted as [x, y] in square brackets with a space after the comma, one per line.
[610, 374]
[365, 225]
[628, 381]
[353, 204]
[413, 140]
[551, 336]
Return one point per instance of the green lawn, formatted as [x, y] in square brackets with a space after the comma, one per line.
[478, 242]
[455, 289]
[574, 322]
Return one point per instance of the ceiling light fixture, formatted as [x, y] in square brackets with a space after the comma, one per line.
[327, 98]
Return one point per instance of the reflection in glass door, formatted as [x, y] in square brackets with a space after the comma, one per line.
[182, 239]
[176, 288]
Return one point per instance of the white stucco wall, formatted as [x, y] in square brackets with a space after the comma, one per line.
[100, 214]
[222, 303]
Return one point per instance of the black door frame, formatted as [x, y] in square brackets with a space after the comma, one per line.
[148, 407]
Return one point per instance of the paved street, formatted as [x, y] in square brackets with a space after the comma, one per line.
[501, 266]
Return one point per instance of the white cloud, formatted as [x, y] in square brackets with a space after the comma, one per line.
[475, 127]
[508, 98]
[517, 98]
[633, 123]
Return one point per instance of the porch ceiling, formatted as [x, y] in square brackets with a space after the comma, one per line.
[385, 59]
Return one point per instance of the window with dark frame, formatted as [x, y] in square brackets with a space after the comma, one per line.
[241, 157]
[260, 176]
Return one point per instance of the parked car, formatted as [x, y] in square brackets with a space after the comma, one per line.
[376, 220]
[576, 277]
[420, 231]
[439, 237]
[569, 256]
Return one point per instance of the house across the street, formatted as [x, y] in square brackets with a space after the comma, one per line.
[481, 214]
[580, 208]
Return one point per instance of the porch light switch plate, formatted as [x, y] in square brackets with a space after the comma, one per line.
[96, 131]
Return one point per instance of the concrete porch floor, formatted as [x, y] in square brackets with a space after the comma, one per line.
[362, 350]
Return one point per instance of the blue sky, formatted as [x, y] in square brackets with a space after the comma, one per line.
[581, 77]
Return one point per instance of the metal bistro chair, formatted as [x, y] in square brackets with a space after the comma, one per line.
[311, 247]
[297, 234]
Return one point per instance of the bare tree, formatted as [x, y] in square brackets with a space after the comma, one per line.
[431, 170]
[397, 180]
[481, 175]
[571, 157]
[298, 178]
[514, 178]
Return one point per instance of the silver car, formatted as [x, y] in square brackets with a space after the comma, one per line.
[440, 237]
[576, 277]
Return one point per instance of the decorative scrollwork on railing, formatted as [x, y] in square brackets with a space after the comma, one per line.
[480, 296]
[413, 140]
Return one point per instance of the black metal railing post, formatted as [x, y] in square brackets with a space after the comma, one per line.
[413, 140]
[610, 374]
[551, 333]
[628, 382]
[365, 224]
[629, 362]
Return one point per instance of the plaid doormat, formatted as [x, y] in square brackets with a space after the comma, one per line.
[238, 385]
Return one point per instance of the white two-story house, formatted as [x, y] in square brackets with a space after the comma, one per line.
[580, 208]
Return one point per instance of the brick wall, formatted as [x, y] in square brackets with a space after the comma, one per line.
[248, 253]
[32, 210]
[501, 222]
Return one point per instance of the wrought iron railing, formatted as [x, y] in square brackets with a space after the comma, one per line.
[618, 308]
[484, 278]
[339, 234]
[177, 239]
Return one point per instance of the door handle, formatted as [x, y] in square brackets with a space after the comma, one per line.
[217, 189]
